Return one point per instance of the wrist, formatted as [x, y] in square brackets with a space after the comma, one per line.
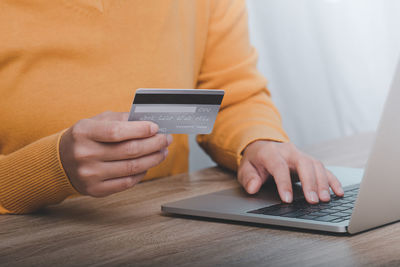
[256, 143]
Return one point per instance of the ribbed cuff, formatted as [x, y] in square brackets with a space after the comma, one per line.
[33, 177]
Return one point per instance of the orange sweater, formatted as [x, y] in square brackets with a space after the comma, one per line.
[62, 60]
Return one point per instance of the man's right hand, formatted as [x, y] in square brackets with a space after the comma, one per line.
[108, 154]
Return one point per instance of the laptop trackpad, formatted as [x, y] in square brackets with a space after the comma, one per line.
[236, 199]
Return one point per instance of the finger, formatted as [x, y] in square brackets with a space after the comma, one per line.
[112, 116]
[322, 181]
[123, 168]
[335, 184]
[114, 131]
[249, 178]
[306, 172]
[116, 185]
[279, 169]
[134, 148]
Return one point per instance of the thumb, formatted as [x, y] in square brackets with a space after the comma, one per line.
[249, 178]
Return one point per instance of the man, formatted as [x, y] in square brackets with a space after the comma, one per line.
[63, 61]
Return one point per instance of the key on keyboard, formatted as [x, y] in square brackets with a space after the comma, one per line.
[339, 209]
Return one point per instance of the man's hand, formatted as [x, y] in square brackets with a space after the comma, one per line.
[262, 159]
[108, 154]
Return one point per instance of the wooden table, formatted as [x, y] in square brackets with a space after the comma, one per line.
[129, 229]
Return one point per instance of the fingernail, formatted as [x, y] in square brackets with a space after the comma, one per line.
[251, 186]
[169, 139]
[340, 191]
[288, 197]
[165, 152]
[153, 128]
[325, 194]
[313, 196]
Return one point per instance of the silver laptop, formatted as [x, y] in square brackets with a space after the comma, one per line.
[366, 205]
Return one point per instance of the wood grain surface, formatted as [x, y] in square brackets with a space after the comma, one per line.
[129, 229]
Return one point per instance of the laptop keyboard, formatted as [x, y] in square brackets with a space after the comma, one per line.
[339, 209]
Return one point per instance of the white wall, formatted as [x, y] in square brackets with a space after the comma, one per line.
[329, 64]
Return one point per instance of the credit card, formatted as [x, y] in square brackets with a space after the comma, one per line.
[177, 111]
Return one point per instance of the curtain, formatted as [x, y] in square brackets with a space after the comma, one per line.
[329, 62]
